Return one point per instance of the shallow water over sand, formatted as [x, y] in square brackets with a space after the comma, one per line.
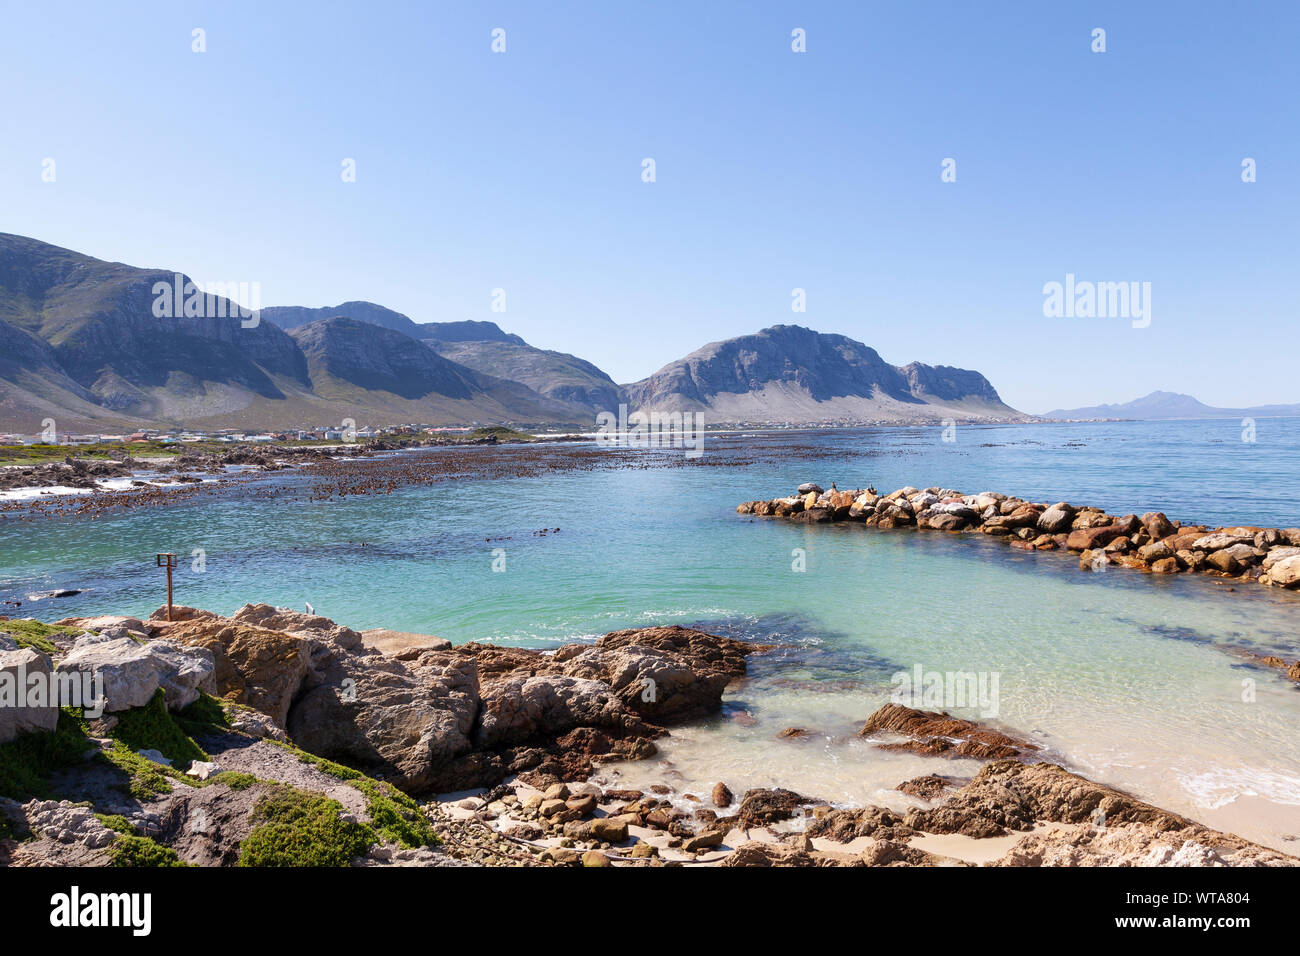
[1122, 676]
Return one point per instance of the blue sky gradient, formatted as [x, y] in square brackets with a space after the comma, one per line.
[775, 170]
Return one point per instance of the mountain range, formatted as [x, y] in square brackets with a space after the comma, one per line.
[1170, 405]
[83, 345]
[788, 373]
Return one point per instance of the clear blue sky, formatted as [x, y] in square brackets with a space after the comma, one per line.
[819, 170]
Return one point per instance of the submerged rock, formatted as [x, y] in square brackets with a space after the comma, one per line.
[761, 807]
[937, 733]
[928, 787]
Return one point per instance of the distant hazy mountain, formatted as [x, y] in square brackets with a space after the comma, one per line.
[296, 316]
[1169, 405]
[557, 375]
[467, 331]
[485, 347]
[792, 374]
[374, 367]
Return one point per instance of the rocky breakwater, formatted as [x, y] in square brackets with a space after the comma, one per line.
[1149, 542]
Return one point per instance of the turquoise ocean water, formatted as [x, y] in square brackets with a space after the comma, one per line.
[1125, 677]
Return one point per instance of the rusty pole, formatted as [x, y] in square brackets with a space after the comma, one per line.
[168, 561]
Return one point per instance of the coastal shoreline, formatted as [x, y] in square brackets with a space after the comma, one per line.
[483, 754]
[90, 485]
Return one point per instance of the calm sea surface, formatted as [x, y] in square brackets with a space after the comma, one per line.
[1127, 678]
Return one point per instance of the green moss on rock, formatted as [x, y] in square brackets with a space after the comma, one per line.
[147, 779]
[36, 634]
[303, 829]
[142, 851]
[27, 761]
[117, 823]
[233, 779]
[205, 716]
[151, 727]
[396, 816]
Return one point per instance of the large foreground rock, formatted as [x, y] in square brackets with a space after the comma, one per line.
[520, 709]
[257, 666]
[133, 671]
[428, 716]
[397, 721]
[665, 674]
[16, 666]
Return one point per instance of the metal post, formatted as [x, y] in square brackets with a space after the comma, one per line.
[168, 561]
